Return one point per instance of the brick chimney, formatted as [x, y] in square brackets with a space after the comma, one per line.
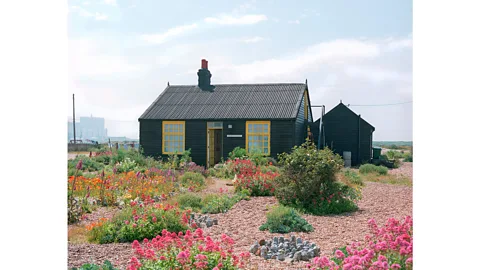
[204, 76]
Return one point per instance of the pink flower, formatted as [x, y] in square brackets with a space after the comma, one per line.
[339, 254]
[79, 165]
[409, 260]
[134, 225]
[395, 266]
[182, 255]
[162, 258]
[126, 222]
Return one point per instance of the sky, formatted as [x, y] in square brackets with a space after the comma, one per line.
[122, 53]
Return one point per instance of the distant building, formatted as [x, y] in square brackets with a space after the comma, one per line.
[89, 128]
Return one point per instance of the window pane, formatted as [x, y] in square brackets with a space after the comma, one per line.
[165, 128]
[265, 144]
[180, 138]
[265, 128]
[265, 138]
[180, 128]
[265, 150]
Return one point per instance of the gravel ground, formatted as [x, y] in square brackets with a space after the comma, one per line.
[380, 201]
[406, 169]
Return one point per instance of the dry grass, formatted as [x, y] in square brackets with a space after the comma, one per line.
[387, 179]
[77, 234]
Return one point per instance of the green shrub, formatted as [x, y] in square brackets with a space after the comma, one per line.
[211, 172]
[408, 157]
[126, 165]
[237, 152]
[353, 177]
[308, 181]
[257, 158]
[282, 219]
[192, 179]
[71, 172]
[104, 159]
[189, 200]
[271, 161]
[215, 203]
[107, 265]
[186, 156]
[370, 168]
[89, 164]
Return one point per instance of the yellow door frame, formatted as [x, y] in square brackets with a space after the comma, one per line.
[208, 142]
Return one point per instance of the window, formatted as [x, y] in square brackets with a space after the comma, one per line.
[258, 136]
[173, 137]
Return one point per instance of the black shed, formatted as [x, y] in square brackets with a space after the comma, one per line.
[342, 130]
[212, 120]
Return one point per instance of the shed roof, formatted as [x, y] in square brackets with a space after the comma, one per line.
[228, 101]
[343, 106]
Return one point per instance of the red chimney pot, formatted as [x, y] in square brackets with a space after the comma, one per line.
[204, 64]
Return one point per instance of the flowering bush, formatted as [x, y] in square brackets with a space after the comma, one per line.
[109, 189]
[257, 183]
[187, 251]
[192, 167]
[139, 221]
[390, 247]
[193, 180]
[250, 177]
[308, 181]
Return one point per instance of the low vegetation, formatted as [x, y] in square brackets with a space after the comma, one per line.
[215, 203]
[283, 219]
[137, 222]
[352, 177]
[107, 265]
[388, 179]
[370, 168]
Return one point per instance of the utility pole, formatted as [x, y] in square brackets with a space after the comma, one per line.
[74, 135]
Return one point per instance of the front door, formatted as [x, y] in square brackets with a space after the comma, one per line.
[214, 143]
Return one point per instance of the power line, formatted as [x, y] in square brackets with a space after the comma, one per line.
[391, 104]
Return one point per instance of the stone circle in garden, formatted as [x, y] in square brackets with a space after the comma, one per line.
[285, 249]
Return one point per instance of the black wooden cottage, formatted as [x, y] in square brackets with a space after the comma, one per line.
[212, 120]
[342, 130]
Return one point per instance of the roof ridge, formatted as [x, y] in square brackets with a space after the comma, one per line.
[226, 84]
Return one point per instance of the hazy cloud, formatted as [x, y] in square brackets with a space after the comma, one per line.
[170, 33]
[236, 20]
[294, 22]
[111, 2]
[85, 13]
[253, 39]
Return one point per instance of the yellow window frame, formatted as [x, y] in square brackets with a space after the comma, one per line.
[258, 134]
[173, 133]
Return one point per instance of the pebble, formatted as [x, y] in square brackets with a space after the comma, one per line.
[282, 249]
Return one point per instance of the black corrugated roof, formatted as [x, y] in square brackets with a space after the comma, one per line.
[228, 101]
[348, 108]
